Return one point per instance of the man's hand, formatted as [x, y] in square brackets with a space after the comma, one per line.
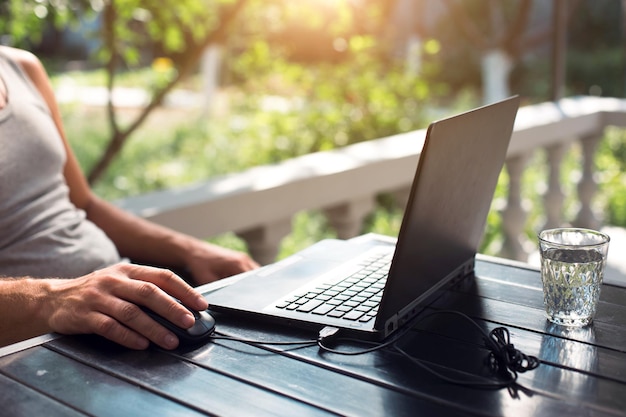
[208, 263]
[106, 302]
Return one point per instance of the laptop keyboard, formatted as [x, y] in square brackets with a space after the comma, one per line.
[355, 298]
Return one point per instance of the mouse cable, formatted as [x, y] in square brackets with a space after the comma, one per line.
[331, 334]
[503, 360]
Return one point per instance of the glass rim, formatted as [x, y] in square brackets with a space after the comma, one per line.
[605, 238]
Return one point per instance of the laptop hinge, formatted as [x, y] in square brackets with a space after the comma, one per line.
[412, 309]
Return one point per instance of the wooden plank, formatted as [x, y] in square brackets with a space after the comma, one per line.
[389, 370]
[523, 286]
[555, 350]
[284, 379]
[608, 312]
[168, 377]
[83, 388]
[602, 333]
[569, 372]
[497, 269]
[20, 400]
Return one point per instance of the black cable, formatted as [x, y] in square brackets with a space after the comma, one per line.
[332, 334]
[503, 360]
[377, 346]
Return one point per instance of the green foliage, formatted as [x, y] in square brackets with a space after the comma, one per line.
[584, 77]
[611, 159]
[372, 100]
[169, 24]
[284, 111]
[26, 20]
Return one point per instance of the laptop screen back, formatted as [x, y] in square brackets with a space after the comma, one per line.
[450, 198]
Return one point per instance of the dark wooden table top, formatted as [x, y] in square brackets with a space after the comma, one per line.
[582, 371]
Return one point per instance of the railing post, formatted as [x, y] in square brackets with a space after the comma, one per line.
[347, 219]
[587, 186]
[554, 197]
[264, 242]
[514, 215]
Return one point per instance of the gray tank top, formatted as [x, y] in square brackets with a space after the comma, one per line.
[42, 234]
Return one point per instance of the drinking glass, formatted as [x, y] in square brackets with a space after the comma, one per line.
[572, 268]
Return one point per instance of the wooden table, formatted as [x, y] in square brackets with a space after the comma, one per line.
[582, 371]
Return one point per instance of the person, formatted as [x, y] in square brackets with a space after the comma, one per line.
[63, 250]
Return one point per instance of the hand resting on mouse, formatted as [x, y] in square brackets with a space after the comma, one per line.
[105, 302]
[197, 334]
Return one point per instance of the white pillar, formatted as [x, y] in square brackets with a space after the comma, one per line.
[210, 70]
[264, 241]
[587, 186]
[554, 197]
[347, 219]
[496, 67]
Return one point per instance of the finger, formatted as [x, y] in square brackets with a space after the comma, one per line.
[253, 265]
[113, 330]
[171, 284]
[142, 293]
[134, 327]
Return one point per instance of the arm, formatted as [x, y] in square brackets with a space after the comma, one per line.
[134, 237]
[147, 242]
[103, 302]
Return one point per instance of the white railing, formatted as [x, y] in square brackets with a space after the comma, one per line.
[259, 204]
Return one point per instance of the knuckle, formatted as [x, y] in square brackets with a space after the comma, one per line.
[146, 290]
[102, 281]
[105, 326]
[113, 330]
[174, 308]
[129, 312]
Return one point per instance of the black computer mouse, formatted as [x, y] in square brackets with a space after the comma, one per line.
[199, 333]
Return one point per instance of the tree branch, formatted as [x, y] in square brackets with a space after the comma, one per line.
[110, 16]
[511, 38]
[192, 56]
[467, 26]
[540, 37]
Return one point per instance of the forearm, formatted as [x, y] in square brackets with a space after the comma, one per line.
[149, 243]
[21, 309]
[139, 239]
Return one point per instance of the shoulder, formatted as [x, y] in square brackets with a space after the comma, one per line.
[27, 60]
[21, 56]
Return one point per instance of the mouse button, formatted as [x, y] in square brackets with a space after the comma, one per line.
[204, 324]
[198, 329]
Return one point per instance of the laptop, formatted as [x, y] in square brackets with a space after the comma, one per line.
[370, 288]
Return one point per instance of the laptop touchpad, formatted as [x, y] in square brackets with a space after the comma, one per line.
[270, 283]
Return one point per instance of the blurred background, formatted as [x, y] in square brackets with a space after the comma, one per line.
[159, 95]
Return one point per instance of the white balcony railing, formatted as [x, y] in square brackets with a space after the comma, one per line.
[259, 204]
